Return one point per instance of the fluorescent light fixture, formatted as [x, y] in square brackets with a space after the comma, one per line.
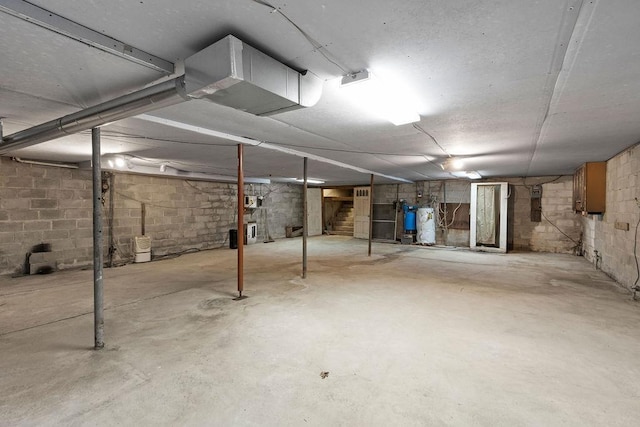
[453, 164]
[310, 180]
[382, 99]
[473, 175]
[466, 174]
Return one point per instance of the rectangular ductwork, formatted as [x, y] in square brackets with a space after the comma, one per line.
[228, 72]
[232, 73]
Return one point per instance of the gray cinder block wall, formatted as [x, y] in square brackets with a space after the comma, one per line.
[615, 246]
[40, 204]
[183, 214]
[545, 236]
[559, 229]
[44, 204]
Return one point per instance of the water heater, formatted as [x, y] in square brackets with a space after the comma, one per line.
[426, 225]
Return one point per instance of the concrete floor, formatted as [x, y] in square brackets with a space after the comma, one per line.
[410, 336]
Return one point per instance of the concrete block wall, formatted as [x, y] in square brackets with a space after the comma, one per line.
[41, 204]
[560, 228]
[186, 215]
[424, 194]
[44, 204]
[546, 236]
[616, 246]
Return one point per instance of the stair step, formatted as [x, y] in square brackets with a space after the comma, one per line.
[344, 218]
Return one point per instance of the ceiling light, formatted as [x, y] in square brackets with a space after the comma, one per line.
[382, 99]
[473, 175]
[163, 167]
[466, 174]
[119, 162]
[310, 181]
[452, 164]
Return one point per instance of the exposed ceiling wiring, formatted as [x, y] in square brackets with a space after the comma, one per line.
[319, 47]
[435, 141]
[170, 162]
[115, 134]
[342, 150]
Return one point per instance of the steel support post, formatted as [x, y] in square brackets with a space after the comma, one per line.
[305, 222]
[98, 294]
[240, 234]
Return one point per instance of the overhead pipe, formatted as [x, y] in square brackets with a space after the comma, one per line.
[154, 97]
[39, 163]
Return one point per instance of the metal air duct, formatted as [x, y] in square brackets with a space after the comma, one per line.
[229, 72]
[232, 73]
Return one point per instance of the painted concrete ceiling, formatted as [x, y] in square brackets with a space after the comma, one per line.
[513, 88]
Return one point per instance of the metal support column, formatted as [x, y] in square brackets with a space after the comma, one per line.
[98, 296]
[370, 213]
[240, 234]
[305, 222]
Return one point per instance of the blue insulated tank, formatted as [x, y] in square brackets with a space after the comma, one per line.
[409, 220]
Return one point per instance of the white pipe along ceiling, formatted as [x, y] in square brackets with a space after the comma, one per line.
[504, 88]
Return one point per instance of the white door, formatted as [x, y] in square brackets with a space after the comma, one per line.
[361, 208]
[314, 211]
[489, 216]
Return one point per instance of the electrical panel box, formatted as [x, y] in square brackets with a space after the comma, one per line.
[251, 202]
[536, 191]
[536, 203]
[252, 233]
[590, 187]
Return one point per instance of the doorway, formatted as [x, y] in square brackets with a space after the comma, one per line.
[361, 205]
[489, 216]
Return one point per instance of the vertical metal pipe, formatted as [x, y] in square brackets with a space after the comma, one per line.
[112, 246]
[240, 221]
[98, 296]
[143, 218]
[1, 131]
[305, 222]
[370, 213]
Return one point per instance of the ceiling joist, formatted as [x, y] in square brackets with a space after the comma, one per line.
[61, 25]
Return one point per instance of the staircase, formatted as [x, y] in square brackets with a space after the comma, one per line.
[343, 220]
